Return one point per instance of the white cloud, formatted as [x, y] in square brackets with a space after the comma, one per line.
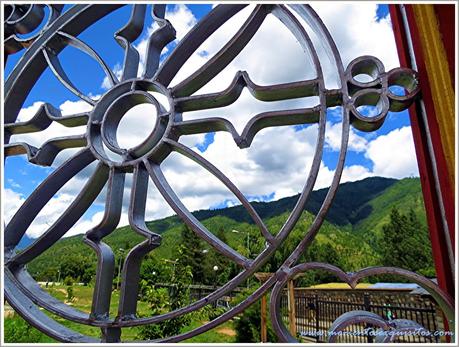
[47, 216]
[27, 113]
[393, 154]
[118, 71]
[356, 143]
[357, 32]
[182, 19]
[84, 225]
[279, 159]
[73, 107]
[15, 200]
[355, 173]
[13, 183]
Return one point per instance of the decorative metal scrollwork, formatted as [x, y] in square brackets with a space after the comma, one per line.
[144, 160]
[22, 20]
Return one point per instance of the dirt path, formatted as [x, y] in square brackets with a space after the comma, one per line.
[226, 331]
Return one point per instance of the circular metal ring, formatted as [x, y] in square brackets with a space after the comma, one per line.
[369, 97]
[117, 110]
[144, 160]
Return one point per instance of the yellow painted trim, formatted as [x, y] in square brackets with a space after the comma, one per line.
[440, 82]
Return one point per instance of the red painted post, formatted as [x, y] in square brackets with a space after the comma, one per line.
[426, 164]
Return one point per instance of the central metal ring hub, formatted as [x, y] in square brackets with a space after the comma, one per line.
[118, 109]
[113, 106]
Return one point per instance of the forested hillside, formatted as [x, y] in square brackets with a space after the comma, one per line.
[350, 238]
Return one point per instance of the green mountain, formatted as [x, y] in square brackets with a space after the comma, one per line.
[349, 199]
[405, 195]
[352, 229]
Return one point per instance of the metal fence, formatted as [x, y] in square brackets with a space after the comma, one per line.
[317, 309]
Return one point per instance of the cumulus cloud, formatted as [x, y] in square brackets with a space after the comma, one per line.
[15, 200]
[55, 129]
[358, 32]
[118, 72]
[279, 160]
[356, 142]
[50, 213]
[180, 17]
[393, 155]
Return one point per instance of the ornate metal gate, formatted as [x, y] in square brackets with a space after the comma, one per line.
[144, 160]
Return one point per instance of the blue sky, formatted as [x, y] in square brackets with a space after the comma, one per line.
[21, 178]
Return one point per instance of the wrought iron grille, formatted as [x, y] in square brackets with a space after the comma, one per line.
[144, 160]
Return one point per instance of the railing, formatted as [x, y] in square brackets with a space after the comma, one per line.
[316, 310]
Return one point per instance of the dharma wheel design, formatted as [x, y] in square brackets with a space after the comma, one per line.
[144, 161]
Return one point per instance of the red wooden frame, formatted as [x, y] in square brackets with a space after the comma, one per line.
[429, 166]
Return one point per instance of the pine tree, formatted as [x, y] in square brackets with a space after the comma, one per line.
[393, 248]
[193, 254]
[406, 243]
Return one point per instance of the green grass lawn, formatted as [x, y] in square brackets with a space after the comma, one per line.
[17, 330]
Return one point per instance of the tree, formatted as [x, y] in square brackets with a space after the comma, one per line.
[225, 268]
[248, 325]
[192, 253]
[165, 300]
[319, 252]
[406, 243]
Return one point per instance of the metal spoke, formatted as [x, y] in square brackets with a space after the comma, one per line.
[241, 80]
[22, 219]
[320, 217]
[82, 46]
[308, 14]
[105, 258]
[68, 218]
[131, 268]
[43, 118]
[295, 27]
[33, 63]
[144, 160]
[158, 40]
[256, 295]
[225, 56]
[190, 154]
[34, 292]
[128, 34]
[46, 154]
[261, 121]
[26, 24]
[56, 67]
[169, 195]
[195, 37]
[26, 308]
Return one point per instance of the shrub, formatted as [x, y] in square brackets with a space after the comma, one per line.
[161, 301]
[68, 281]
[208, 312]
[17, 330]
[70, 295]
[248, 326]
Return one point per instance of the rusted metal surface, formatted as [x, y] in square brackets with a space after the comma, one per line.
[144, 161]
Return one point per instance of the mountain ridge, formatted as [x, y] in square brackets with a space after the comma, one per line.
[352, 228]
